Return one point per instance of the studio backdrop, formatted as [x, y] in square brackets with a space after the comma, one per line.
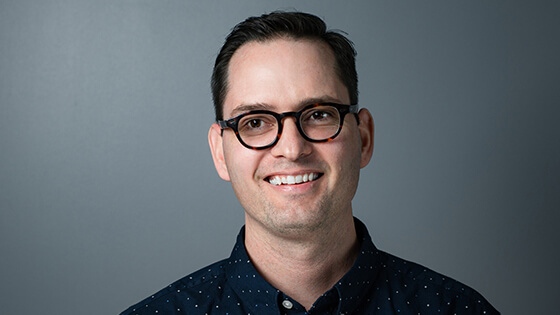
[107, 188]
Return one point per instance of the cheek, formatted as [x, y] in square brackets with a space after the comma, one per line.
[346, 154]
[241, 162]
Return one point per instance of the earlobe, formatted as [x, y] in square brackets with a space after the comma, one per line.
[366, 128]
[215, 141]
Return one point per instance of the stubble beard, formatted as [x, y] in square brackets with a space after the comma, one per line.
[296, 219]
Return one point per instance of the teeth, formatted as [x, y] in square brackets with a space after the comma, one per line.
[291, 180]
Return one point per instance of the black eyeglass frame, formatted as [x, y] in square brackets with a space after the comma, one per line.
[342, 109]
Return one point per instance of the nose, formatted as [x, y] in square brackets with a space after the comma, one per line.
[291, 145]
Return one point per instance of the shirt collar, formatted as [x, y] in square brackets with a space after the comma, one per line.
[258, 295]
[262, 298]
[357, 282]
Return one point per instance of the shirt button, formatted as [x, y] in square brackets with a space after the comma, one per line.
[287, 304]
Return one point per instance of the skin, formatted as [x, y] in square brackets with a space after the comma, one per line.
[300, 237]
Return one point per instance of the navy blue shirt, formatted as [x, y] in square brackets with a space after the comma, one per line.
[378, 283]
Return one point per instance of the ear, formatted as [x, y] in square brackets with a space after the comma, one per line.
[215, 140]
[366, 128]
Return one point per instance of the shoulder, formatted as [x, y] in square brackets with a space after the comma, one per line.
[413, 274]
[193, 291]
[421, 288]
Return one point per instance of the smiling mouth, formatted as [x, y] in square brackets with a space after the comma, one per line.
[293, 179]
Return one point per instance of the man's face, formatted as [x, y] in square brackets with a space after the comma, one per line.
[286, 75]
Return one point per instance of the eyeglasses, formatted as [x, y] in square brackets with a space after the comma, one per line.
[261, 129]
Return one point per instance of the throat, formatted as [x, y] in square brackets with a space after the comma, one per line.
[304, 270]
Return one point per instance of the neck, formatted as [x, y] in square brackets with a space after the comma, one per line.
[306, 266]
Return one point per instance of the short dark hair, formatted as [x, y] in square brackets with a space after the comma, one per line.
[296, 25]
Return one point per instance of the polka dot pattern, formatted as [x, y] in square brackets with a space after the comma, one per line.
[378, 283]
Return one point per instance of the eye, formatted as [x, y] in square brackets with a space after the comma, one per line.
[255, 124]
[320, 115]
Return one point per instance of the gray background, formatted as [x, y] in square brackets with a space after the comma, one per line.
[108, 193]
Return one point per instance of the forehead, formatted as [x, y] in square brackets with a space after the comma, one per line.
[282, 72]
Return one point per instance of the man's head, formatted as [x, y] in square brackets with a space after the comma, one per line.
[291, 89]
[294, 25]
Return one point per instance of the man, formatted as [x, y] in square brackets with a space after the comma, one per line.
[291, 140]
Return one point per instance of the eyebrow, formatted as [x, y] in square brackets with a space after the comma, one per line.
[244, 108]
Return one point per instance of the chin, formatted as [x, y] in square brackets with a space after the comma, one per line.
[299, 223]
